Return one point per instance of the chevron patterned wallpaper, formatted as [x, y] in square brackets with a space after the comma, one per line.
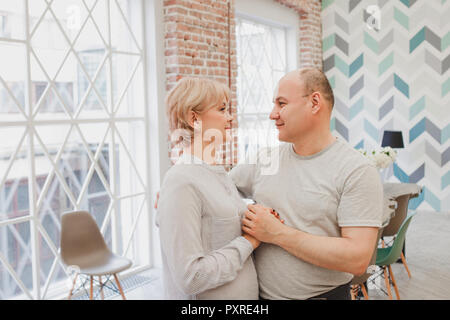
[388, 62]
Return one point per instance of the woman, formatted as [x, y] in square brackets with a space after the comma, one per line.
[199, 209]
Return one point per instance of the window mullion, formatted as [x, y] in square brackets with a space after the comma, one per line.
[34, 231]
[115, 232]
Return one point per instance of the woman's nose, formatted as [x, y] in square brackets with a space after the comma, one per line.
[229, 116]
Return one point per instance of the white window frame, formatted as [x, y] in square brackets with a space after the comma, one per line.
[272, 14]
[156, 146]
[275, 14]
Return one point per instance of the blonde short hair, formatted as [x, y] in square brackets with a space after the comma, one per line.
[192, 94]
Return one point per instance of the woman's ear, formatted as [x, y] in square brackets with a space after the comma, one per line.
[192, 118]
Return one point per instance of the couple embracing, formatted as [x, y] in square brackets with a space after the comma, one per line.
[315, 219]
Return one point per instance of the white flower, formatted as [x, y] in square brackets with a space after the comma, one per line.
[390, 152]
[362, 151]
[382, 158]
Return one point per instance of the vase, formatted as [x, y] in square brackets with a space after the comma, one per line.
[382, 174]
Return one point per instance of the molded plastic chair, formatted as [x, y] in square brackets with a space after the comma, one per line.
[389, 255]
[83, 246]
[402, 196]
[358, 281]
[395, 222]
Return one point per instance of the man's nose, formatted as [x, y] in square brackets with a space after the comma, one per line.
[275, 114]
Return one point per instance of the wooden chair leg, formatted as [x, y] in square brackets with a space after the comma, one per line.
[91, 293]
[101, 288]
[386, 280]
[352, 292]
[364, 291]
[391, 274]
[402, 256]
[73, 286]
[120, 287]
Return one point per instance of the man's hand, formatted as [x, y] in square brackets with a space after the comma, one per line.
[261, 223]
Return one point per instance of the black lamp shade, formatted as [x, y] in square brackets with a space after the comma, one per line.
[393, 139]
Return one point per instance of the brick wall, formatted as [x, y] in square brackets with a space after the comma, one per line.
[200, 41]
[310, 30]
[196, 39]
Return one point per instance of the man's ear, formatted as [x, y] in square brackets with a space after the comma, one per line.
[316, 102]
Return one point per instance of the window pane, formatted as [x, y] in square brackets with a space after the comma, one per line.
[130, 148]
[14, 202]
[80, 184]
[79, 90]
[261, 55]
[61, 77]
[15, 246]
[12, 82]
[11, 19]
[125, 32]
[128, 83]
[134, 223]
[71, 151]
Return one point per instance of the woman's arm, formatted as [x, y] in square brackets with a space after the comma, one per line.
[193, 269]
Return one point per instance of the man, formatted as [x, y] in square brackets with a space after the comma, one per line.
[329, 195]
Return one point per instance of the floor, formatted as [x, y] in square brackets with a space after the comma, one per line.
[427, 254]
[428, 258]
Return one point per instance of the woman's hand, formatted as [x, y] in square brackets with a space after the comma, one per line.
[255, 242]
[156, 201]
[272, 211]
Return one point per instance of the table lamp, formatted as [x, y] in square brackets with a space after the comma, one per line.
[393, 139]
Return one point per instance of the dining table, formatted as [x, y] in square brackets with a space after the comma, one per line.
[397, 189]
[389, 206]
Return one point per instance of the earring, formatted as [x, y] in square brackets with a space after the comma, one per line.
[197, 126]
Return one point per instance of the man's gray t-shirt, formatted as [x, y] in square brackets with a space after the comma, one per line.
[318, 194]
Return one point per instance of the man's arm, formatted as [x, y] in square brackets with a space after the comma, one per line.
[243, 177]
[359, 216]
[349, 253]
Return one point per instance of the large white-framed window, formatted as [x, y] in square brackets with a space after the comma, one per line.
[267, 48]
[74, 135]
